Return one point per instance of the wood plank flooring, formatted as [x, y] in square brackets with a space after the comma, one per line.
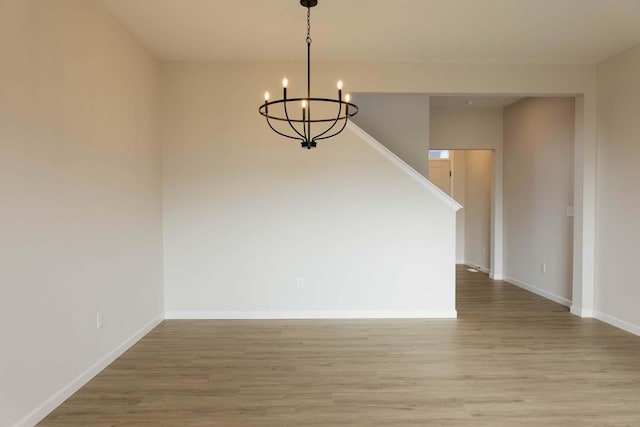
[510, 359]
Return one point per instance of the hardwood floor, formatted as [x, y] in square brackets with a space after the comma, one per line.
[510, 359]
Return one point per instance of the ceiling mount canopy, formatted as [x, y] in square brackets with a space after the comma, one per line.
[297, 124]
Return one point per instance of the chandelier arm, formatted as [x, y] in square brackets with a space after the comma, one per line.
[286, 114]
[332, 125]
[283, 134]
[346, 119]
[333, 134]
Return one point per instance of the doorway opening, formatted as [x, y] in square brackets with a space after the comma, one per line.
[467, 176]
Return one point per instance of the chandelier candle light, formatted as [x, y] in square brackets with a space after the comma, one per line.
[300, 129]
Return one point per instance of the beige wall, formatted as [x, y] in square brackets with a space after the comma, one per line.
[248, 213]
[400, 122]
[496, 79]
[195, 95]
[81, 213]
[465, 128]
[617, 290]
[538, 188]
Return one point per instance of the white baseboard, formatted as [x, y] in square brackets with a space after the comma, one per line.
[618, 323]
[63, 394]
[263, 315]
[543, 293]
[580, 312]
[483, 269]
[477, 267]
[460, 261]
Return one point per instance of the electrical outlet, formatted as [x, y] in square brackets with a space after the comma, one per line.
[99, 321]
[543, 268]
[299, 283]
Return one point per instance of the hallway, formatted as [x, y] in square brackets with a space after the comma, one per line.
[511, 359]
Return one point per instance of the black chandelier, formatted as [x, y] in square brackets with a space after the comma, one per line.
[333, 125]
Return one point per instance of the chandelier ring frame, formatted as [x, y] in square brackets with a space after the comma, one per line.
[351, 111]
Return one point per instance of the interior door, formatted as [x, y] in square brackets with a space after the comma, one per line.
[440, 174]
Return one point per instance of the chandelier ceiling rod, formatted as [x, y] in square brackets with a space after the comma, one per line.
[305, 137]
[308, 135]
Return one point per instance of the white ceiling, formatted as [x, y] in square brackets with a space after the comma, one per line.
[461, 101]
[538, 31]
